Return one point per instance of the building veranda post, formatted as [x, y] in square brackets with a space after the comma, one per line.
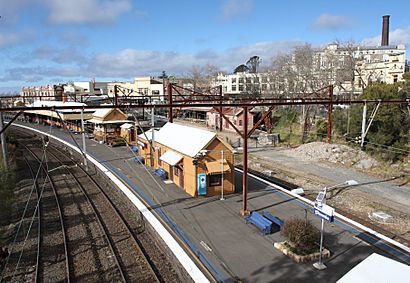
[196, 160]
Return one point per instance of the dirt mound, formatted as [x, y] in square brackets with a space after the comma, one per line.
[335, 153]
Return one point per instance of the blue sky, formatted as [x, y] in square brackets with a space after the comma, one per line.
[53, 41]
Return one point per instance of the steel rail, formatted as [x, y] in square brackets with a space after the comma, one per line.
[116, 211]
[60, 213]
[98, 218]
[39, 218]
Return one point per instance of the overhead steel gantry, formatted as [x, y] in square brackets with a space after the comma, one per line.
[178, 98]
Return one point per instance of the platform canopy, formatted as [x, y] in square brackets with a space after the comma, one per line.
[377, 269]
[171, 157]
[217, 167]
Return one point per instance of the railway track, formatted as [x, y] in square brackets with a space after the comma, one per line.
[58, 226]
[84, 204]
[135, 267]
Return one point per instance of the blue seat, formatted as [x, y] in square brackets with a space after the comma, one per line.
[139, 159]
[263, 224]
[279, 222]
[161, 173]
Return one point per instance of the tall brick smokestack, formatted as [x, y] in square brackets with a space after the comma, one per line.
[385, 31]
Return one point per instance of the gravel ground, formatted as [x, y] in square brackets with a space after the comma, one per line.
[316, 165]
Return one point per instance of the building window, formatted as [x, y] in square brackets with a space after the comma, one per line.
[233, 80]
[176, 171]
[241, 80]
[233, 87]
[215, 180]
[395, 78]
[240, 122]
[240, 87]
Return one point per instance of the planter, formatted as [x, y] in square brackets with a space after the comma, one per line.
[300, 258]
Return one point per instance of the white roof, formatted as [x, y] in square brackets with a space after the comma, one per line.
[127, 126]
[184, 139]
[171, 157]
[377, 269]
[149, 135]
[96, 121]
[102, 112]
[50, 103]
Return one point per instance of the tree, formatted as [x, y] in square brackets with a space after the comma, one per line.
[388, 134]
[253, 63]
[241, 69]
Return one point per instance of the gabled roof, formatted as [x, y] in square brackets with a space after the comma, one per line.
[186, 140]
[102, 113]
[148, 134]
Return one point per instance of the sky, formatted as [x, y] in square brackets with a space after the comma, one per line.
[57, 41]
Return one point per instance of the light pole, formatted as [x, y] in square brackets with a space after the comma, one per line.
[326, 212]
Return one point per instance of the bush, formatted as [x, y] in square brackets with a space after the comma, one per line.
[301, 233]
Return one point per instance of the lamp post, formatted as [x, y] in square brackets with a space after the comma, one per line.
[326, 211]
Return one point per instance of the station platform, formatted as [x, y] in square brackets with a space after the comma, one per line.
[231, 249]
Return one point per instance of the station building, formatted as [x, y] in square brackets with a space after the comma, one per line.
[107, 125]
[196, 160]
[71, 117]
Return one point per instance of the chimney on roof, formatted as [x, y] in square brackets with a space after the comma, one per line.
[385, 31]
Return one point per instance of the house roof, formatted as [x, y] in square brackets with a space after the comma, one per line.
[148, 134]
[126, 126]
[184, 139]
[101, 113]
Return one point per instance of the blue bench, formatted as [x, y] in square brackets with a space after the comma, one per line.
[263, 224]
[273, 219]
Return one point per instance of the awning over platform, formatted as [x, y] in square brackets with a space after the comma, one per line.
[171, 157]
[217, 167]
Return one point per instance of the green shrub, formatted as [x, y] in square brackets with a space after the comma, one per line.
[301, 233]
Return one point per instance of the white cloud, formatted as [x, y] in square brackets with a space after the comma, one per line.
[9, 10]
[236, 8]
[13, 38]
[329, 21]
[128, 63]
[86, 11]
[398, 36]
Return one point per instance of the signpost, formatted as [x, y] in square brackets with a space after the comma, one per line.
[326, 213]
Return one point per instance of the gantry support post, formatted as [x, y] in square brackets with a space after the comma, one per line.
[329, 115]
[220, 109]
[170, 114]
[115, 95]
[245, 210]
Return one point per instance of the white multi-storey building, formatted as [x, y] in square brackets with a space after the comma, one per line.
[369, 64]
[141, 86]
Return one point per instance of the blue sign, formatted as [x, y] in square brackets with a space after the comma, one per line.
[201, 184]
[322, 214]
